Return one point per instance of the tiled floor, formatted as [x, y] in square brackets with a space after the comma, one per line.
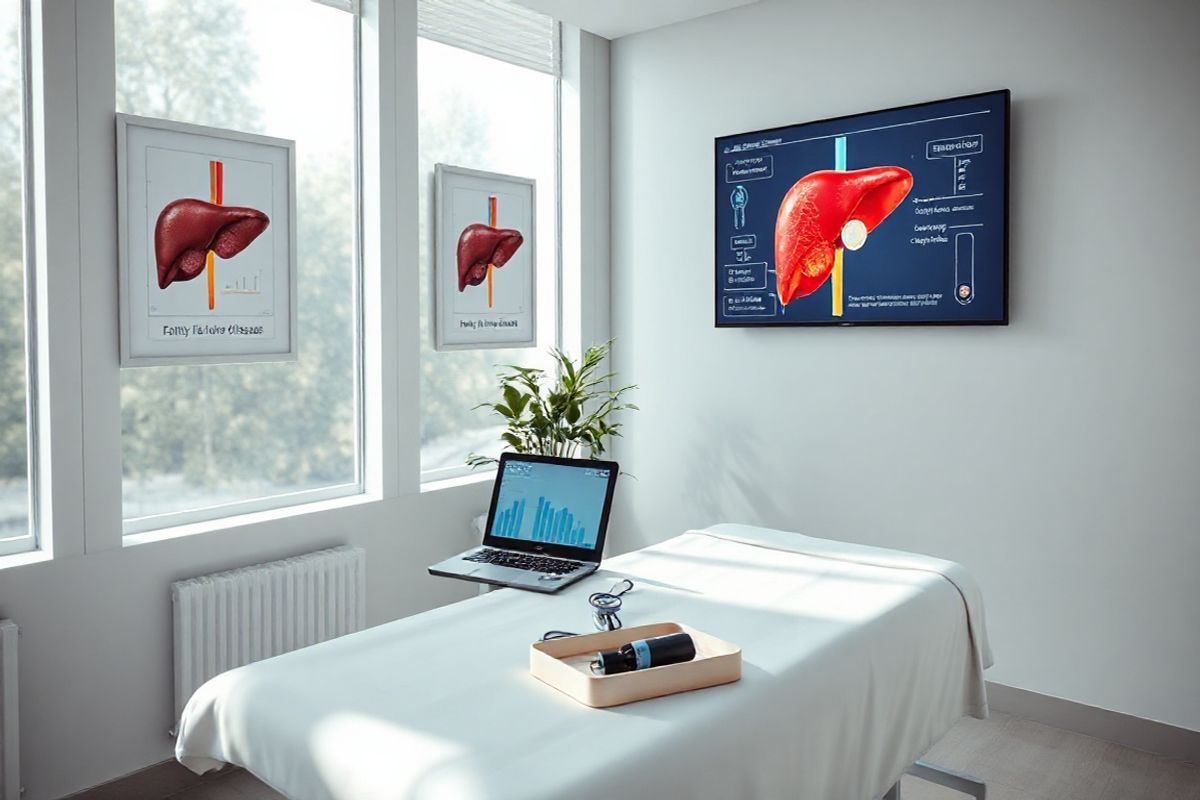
[1020, 760]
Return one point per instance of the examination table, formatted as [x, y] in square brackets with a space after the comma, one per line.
[855, 661]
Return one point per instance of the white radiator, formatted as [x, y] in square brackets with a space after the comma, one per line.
[10, 755]
[247, 614]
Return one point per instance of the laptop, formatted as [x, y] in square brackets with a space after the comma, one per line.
[546, 525]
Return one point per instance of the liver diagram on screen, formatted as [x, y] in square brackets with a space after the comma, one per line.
[824, 213]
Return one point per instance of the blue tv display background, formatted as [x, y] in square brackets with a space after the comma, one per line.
[939, 257]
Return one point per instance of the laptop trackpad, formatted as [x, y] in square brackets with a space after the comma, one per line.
[507, 574]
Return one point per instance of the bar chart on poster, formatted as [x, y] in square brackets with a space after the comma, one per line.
[888, 217]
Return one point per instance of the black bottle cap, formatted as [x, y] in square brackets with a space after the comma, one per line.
[609, 663]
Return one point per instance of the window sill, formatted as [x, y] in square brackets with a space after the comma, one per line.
[23, 559]
[483, 476]
[250, 518]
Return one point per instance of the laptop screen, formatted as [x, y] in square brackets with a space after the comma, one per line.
[554, 504]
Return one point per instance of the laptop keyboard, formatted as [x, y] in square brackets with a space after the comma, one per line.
[507, 558]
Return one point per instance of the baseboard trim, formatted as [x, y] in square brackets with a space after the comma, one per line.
[1112, 726]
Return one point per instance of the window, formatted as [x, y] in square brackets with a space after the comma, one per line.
[16, 523]
[207, 442]
[482, 113]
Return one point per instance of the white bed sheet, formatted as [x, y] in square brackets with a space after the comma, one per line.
[855, 661]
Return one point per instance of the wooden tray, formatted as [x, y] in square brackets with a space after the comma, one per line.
[564, 664]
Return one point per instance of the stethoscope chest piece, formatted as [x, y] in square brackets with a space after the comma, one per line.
[605, 606]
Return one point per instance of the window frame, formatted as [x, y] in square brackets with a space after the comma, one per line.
[135, 526]
[75, 467]
[438, 474]
[463, 472]
[30, 540]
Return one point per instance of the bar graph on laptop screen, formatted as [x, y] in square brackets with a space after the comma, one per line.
[550, 503]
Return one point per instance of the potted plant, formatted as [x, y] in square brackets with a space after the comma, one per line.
[571, 417]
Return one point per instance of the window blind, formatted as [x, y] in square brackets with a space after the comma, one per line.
[493, 28]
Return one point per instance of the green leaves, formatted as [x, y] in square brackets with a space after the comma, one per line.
[571, 418]
[513, 396]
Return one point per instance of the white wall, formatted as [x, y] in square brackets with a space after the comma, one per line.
[1056, 458]
[585, 234]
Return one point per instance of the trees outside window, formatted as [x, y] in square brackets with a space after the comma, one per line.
[206, 437]
[14, 439]
[483, 114]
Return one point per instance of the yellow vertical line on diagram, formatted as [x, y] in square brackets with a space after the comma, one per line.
[839, 163]
[208, 269]
[209, 272]
[491, 270]
[836, 279]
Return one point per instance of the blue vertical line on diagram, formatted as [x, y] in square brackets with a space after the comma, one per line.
[539, 519]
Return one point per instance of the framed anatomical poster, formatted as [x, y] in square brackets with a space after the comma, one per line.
[896, 217]
[207, 244]
[485, 282]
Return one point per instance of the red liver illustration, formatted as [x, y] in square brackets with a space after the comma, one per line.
[187, 229]
[480, 245]
[818, 215]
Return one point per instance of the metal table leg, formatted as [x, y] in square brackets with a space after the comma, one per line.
[967, 784]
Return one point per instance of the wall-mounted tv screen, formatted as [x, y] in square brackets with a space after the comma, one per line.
[896, 217]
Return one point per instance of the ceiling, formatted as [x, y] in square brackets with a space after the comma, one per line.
[614, 18]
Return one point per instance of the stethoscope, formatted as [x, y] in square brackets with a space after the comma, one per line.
[605, 606]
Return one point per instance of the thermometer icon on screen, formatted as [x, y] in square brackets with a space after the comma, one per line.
[739, 199]
[964, 267]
